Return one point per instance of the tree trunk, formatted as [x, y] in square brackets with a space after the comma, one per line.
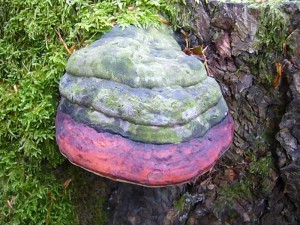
[254, 54]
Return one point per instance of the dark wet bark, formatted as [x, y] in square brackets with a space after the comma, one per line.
[266, 117]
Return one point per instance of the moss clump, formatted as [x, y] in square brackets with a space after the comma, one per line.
[90, 195]
[256, 181]
[272, 34]
[179, 204]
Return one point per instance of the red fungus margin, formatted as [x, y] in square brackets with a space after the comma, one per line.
[119, 158]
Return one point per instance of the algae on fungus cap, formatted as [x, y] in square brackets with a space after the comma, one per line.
[135, 108]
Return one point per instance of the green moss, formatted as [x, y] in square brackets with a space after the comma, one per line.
[77, 89]
[180, 203]
[161, 135]
[255, 181]
[177, 14]
[230, 193]
[262, 166]
[35, 197]
[272, 34]
[112, 102]
[90, 196]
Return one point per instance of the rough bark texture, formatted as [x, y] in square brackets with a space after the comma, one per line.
[258, 180]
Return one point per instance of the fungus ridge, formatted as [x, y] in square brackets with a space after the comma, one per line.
[164, 106]
[145, 133]
[138, 58]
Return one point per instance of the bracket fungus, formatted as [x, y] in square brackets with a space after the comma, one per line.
[135, 108]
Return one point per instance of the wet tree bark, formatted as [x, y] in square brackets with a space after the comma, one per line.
[256, 62]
